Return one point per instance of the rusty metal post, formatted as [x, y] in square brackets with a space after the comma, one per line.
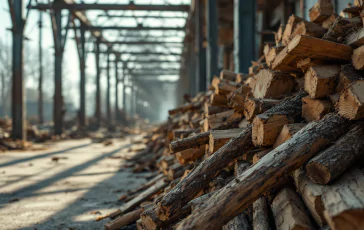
[18, 105]
[98, 91]
[82, 112]
[117, 115]
[58, 103]
[40, 80]
[108, 111]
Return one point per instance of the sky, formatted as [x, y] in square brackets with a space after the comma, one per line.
[70, 61]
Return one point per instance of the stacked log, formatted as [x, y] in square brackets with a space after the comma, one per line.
[276, 148]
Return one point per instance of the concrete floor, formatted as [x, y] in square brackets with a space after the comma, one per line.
[38, 193]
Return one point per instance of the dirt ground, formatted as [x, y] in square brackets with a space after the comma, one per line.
[37, 192]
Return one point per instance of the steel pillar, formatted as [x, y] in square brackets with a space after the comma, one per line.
[117, 115]
[124, 81]
[40, 81]
[244, 34]
[212, 48]
[82, 111]
[201, 51]
[58, 103]
[108, 110]
[18, 105]
[98, 91]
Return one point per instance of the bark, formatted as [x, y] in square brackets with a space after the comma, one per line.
[348, 75]
[124, 220]
[311, 194]
[188, 155]
[218, 100]
[309, 29]
[238, 223]
[262, 176]
[260, 214]
[289, 211]
[344, 202]
[332, 162]
[189, 142]
[341, 29]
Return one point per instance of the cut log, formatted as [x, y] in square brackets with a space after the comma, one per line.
[260, 214]
[327, 24]
[253, 107]
[348, 75]
[238, 223]
[175, 171]
[355, 38]
[298, 49]
[225, 88]
[260, 155]
[341, 28]
[267, 48]
[273, 84]
[241, 78]
[267, 126]
[279, 35]
[306, 63]
[313, 109]
[332, 162]
[145, 195]
[210, 110]
[292, 22]
[287, 133]
[236, 98]
[272, 53]
[358, 58]
[189, 142]
[226, 120]
[124, 220]
[188, 155]
[219, 138]
[321, 11]
[320, 81]
[308, 28]
[291, 155]
[182, 133]
[289, 211]
[209, 168]
[344, 201]
[228, 75]
[351, 101]
[184, 108]
[218, 100]
[311, 194]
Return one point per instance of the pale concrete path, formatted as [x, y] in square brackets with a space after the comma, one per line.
[38, 193]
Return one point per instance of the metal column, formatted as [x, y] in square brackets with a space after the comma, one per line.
[108, 111]
[40, 81]
[117, 115]
[124, 87]
[201, 51]
[244, 34]
[82, 111]
[18, 105]
[98, 92]
[212, 49]
[58, 103]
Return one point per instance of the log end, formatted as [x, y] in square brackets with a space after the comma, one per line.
[318, 173]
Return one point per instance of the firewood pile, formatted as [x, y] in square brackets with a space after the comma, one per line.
[278, 148]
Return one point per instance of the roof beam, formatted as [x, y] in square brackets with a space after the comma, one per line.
[138, 28]
[146, 43]
[110, 6]
[142, 16]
